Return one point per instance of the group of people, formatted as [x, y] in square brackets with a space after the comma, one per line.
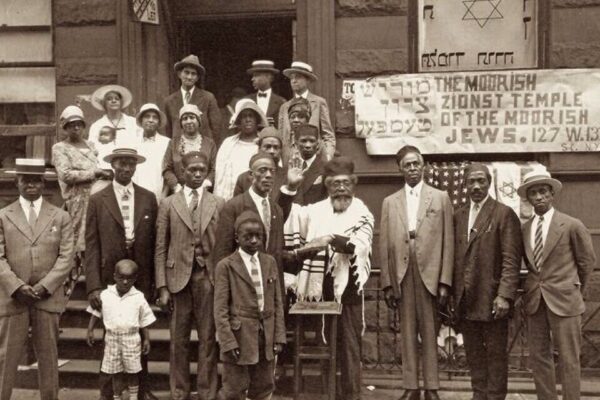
[219, 235]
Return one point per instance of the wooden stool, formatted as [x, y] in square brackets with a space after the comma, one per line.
[316, 352]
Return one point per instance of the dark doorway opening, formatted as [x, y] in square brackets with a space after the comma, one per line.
[227, 47]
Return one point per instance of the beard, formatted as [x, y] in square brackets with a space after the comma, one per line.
[341, 203]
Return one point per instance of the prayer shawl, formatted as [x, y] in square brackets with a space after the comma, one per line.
[306, 223]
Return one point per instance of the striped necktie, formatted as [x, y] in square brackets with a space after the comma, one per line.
[194, 201]
[32, 218]
[255, 275]
[538, 248]
[126, 214]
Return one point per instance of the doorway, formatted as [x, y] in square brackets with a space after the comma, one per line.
[227, 47]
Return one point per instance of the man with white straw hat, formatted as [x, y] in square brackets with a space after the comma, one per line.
[152, 146]
[190, 71]
[560, 257]
[300, 75]
[263, 73]
[120, 224]
[36, 256]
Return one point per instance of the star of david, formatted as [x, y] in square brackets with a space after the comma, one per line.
[508, 189]
[482, 11]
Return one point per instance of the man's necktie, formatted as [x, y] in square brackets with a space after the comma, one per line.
[188, 95]
[32, 215]
[194, 201]
[538, 248]
[261, 94]
[304, 165]
[267, 220]
[126, 213]
[255, 275]
[472, 218]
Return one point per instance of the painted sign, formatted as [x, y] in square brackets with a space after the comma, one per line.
[489, 112]
[467, 35]
[145, 11]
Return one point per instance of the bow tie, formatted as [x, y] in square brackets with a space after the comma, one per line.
[262, 94]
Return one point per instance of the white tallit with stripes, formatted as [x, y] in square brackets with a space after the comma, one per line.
[306, 223]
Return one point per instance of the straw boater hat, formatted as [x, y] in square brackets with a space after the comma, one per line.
[151, 107]
[248, 104]
[262, 66]
[300, 67]
[124, 152]
[70, 114]
[30, 166]
[190, 109]
[100, 93]
[190, 61]
[538, 177]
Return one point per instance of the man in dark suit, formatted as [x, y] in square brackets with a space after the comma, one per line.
[417, 258]
[263, 73]
[269, 141]
[487, 253]
[254, 199]
[190, 71]
[560, 257]
[186, 235]
[311, 190]
[36, 256]
[121, 224]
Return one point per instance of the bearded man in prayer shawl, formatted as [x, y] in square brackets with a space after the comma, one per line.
[331, 241]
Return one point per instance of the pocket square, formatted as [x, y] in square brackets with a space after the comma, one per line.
[146, 216]
[318, 181]
[53, 229]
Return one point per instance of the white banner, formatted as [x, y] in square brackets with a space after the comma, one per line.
[466, 35]
[484, 112]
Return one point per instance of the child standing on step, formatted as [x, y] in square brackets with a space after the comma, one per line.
[125, 314]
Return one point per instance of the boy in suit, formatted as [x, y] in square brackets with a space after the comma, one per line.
[36, 256]
[248, 314]
[125, 312]
[560, 257]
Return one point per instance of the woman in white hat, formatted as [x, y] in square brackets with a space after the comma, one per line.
[235, 151]
[112, 100]
[76, 162]
[190, 118]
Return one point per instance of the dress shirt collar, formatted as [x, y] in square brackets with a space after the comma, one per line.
[481, 203]
[183, 92]
[310, 161]
[257, 198]
[414, 191]
[26, 204]
[149, 138]
[187, 192]
[247, 257]
[303, 95]
[547, 217]
[131, 292]
[120, 189]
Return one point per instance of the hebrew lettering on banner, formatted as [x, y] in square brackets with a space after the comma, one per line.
[475, 35]
[489, 111]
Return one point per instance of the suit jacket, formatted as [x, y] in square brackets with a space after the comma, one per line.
[175, 238]
[434, 239]
[43, 255]
[173, 168]
[568, 259]
[275, 103]
[237, 315]
[244, 182]
[487, 264]
[206, 102]
[319, 118]
[312, 188]
[105, 238]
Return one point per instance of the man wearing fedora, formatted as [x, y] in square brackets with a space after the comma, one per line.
[152, 147]
[263, 73]
[560, 257]
[120, 225]
[190, 71]
[300, 74]
[36, 256]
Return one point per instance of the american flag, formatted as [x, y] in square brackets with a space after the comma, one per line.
[448, 176]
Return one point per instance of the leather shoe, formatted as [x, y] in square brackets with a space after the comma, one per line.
[411, 394]
[431, 395]
[147, 395]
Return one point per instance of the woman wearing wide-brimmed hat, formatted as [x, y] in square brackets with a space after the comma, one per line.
[235, 151]
[76, 163]
[191, 139]
[112, 100]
